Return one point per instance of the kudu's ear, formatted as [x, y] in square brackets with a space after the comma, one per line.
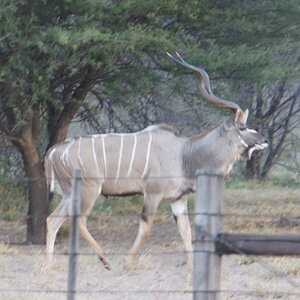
[242, 116]
[230, 123]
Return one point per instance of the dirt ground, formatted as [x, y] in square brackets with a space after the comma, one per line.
[158, 274]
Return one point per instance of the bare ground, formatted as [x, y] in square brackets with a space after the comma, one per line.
[158, 274]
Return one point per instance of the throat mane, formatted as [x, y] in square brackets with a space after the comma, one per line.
[212, 151]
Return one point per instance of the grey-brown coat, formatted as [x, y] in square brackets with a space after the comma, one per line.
[156, 162]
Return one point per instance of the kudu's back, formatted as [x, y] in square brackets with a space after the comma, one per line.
[121, 163]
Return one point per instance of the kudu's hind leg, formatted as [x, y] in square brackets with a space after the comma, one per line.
[180, 212]
[151, 203]
[89, 196]
[54, 221]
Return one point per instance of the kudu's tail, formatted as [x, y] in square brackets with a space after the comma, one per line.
[50, 178]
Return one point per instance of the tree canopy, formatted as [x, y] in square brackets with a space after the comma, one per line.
[54, 54]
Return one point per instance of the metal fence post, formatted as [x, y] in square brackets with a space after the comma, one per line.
[74, 233]
[208, 210]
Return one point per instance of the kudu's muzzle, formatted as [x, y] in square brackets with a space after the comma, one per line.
[253, 141]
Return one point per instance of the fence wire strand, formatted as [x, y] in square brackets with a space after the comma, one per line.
[153, 291]
[285, 218]
[262, 263]
[294, 219]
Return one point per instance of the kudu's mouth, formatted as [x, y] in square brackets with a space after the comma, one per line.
[251, 149]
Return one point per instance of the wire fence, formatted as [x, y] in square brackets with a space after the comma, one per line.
[163, 292]
[167, 293]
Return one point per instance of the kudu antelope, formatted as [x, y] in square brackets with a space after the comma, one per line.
[155, 162]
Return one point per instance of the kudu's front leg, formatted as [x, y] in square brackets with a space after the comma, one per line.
[88, 237]
[180, 212]
[151, 203]
[89, 193]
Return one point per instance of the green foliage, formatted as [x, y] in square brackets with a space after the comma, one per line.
[12, 185]
[12, 193]
[49, 50]
[118, 205]
[13, 204]
[284, 178]
[47, 46]
[279, 177]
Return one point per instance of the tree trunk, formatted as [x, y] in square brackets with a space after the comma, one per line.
[253, 168]
[38, 207]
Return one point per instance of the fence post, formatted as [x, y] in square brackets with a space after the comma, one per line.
[74, 233]
[208, 210]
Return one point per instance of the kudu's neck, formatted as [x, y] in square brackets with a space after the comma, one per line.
[216, 149]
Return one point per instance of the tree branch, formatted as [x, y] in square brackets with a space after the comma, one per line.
[59, 132]
[276, 99]
[13, 139]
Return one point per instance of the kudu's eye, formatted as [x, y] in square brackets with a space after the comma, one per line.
[243, 128]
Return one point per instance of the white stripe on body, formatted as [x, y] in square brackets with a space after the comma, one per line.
[132, 155]
[120, 157]
[148, 155]
[65, 156]
[52, 153]
[95, 157]
[96, 160]
[52, 183]
[97, 164]
[81, 165]
[104, 155]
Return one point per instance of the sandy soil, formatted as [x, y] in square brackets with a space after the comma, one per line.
[158, 274]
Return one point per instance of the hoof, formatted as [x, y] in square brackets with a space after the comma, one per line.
[187, 263]
[105, 263]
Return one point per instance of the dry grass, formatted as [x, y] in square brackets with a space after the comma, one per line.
[7, 249]
[262, 208]
[115, 230]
